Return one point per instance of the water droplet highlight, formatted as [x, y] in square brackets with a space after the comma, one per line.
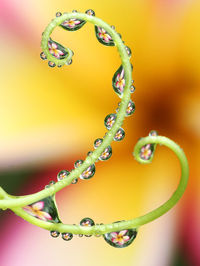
[88, 173]
[51, 64]
[54, 234]
[67, 236]
[57, 50]
[146, 152]
[72, 24]
[110, 120]
[103, 36]
[43, 56]
[78, 163]
[90, 12]
[119, 135]
[58, 14]
[118, 81]
[106, 154]
[97, 142]
[62, 174]
[132, 89]
[74, 181]
[87, 222]
[120, 239]
[130, 108]
[128, 50]
[153, 133]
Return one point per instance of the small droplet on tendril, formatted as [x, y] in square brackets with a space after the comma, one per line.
[128, 50]
[110, 120]
[118, 81]
[51, 183]
[97, 142]
[87, 222]
[132, 89]
[43, 56]
[103, 36]
[88, 173]
[51, 64]
[113, 27]
[57, 50]
[67, 236]
[120, 239]
[74, 181]
[130, 108]
[90, 12]
[78, 163]
[146, 151]
[69, 62]
[80, 235]
[153, 133]
[74, 11]
[62, 174]
[58, 14]
[119, 135]
[89, 153]
[106, 154]
[72, 24]
[54, 234]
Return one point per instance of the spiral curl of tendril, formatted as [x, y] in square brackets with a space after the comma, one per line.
[143, 151]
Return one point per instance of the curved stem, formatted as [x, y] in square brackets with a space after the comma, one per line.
[25, 200]
[136, 222]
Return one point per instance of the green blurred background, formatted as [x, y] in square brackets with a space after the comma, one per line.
[49, 118]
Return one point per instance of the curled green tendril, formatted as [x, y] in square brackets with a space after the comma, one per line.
[16, 203]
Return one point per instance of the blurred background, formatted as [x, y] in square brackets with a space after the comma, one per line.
[49, 118]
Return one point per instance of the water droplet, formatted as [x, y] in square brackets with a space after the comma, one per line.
[120, 36]
[51, 64]
[72, 24]
[88, 173]
[130, 108]
[128, 50]
[62, 174]
[43, 56]
[132, 89]
[113, 27]
[80, 235]
[59, 65]
[74, 181]
[78, 163]
[90, 12]
[110, 120]
[153, 133]
[87, 222]
[67, 236]
[106, 154]
[74, 11]
[146, 151]
[57, 50]
[117, 109]
[103, 36]
[118, 81]
[69, 62]
[97, 142]
[54, 233]
[58, 14]
[89, 153]
[120, 239]
[119, 135]
[51, 183]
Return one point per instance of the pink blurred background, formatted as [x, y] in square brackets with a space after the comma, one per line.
[49, 118]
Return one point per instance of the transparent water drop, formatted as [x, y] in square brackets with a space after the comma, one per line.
[58, 14]
[59, 65]
[132, 89]
[146, 151]
[57, 50]
[74, 11]
[103, 36]
[69, 62]
[118, 81]
[80, 235]
[54, 234]
[88, 173]
[121, 239]
[78, 163]
[110, 120]
[67, 236]
[62, 174]
[113, 27]
[130, 108]
[119, 135]
[106, 154]
[74, 181]
[90, 12]
[43, 56]
[128, 50]
[87, 222]
[72, 24]
[117, 110]
[51, 183]
[51, 64]
[153, 133]
[97, 142]
[89, 153]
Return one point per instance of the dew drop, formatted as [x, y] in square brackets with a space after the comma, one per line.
[89, 153]
[130, 108]
[51, 64]
[69, 62]
[43, 56]
[62, 174]
[54, 234]
[118, 81]
[103, 36]
[119, 135]
[72, 24]
[74, 181]
[90, 12]
[67, 236]
[97, 142]
[146, 151]
[113, 27]
[80, 235]
[128, 50]
[132, 89]
[57, 50]
[121, 239]
[106, 154]
[58, 14]
[74, 11]
[88, 173]
[110, 120]
[51, 183]
[87, 222]
[78, 163]
[153, 133]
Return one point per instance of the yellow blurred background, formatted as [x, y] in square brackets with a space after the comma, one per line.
[49, 118]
